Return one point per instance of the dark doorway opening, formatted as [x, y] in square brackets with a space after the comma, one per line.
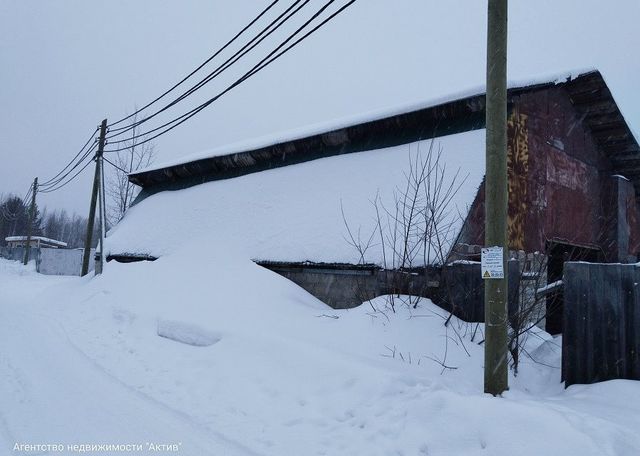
[558, 254]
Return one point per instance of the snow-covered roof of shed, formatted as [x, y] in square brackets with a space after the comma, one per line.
[36, 238]
[294, 213]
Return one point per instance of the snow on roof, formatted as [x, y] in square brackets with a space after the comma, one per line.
[294, 213]
[36, 238]
[309, 130]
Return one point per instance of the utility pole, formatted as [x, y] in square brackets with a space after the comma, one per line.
[102, 218]
[32, 214]
[495, 289]
[94, 197]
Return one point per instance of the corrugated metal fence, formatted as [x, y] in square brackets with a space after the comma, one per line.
[51, 261]
[601, 339]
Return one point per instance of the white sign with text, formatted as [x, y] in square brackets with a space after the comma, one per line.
[492, 263]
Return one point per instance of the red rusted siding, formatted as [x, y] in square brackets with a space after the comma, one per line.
[560, 183]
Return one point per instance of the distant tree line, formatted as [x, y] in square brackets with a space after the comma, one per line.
[54, 224]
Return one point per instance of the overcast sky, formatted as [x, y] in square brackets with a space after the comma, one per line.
[66, 65]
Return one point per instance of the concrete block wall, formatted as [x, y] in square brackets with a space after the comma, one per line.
[338, 289]
[347, 288]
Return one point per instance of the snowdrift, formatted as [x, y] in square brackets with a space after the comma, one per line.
[287, 375]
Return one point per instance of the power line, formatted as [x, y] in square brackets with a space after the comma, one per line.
[115, 166]
[49, 190]
[73, 159]
[244, 50]
[27, 195]
[270, 58]
[58, 181]
[8, 215]
[12, 216]
[78, 163]
[227, 44]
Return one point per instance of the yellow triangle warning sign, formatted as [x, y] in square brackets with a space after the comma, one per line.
[486, 275]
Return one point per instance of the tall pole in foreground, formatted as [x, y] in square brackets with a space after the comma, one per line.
[32, 215]
[102, 217]
[94, 197]
[495, 290]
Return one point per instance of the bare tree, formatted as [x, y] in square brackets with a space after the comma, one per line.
[414, 232]
[417, 229]
[530, 310]
[137, 154]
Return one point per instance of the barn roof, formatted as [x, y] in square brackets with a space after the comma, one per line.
[595, 103]
[588, 92]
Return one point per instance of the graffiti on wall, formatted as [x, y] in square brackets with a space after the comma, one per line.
[566, 171]
[517, 168]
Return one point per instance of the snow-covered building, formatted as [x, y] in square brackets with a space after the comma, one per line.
[304, 199]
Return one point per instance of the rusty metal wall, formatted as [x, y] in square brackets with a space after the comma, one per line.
[560, 183]
[518, 170]
[563, 182]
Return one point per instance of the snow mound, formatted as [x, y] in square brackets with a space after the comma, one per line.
[187, 333]
[286, 380]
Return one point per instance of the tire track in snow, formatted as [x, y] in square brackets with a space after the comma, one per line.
[72, 399]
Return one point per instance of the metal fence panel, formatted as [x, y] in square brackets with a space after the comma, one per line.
[51, 261]
[601, 338]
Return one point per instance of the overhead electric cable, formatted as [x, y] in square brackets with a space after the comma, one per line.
[49, 190]
[73, 159]
[115, 166]
[27, 196]
[270, 58]
[227, 44]
[244, 50]
[55, 182]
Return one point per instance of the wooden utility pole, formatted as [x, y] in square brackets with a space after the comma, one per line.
[102, 218]
[94, 197]
[32, 214]
[495, 289]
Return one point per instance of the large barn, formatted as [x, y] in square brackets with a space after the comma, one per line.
[302, 203]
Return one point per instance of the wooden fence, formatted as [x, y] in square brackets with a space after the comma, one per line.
[462, 290]
[601, 339]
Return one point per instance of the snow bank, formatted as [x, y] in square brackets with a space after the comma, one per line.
[284, 378]
[294, 213]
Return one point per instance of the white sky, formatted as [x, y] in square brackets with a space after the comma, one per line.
[66, 65]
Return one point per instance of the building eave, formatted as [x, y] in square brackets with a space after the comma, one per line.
[588, 92]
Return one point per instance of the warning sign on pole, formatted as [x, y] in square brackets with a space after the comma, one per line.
[492, 263]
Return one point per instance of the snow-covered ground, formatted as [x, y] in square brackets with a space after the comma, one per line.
[227, 358]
